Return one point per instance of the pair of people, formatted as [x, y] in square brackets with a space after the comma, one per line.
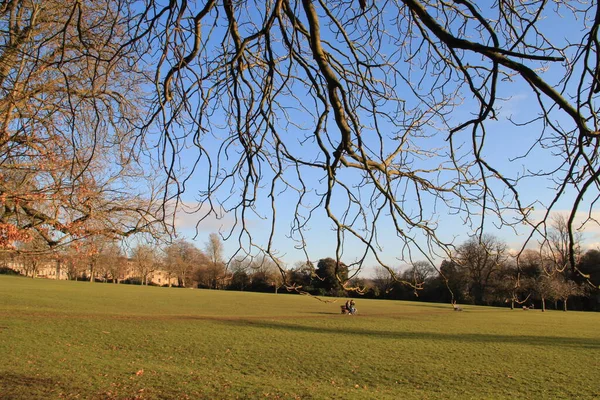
[350, 306]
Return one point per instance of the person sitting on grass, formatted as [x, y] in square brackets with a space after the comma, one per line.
[351, 307]
[348, 309]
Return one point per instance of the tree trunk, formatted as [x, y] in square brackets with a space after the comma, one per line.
[565, 305]
[543, 304]
[512, 304]
[57, 269]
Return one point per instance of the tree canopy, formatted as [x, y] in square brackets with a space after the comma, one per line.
[378, 115]
[71, 99]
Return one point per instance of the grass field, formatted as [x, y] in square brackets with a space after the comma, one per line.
[62, 339]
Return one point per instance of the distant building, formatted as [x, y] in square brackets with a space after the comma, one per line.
[162, 278]
[55, 270]
[42, 269]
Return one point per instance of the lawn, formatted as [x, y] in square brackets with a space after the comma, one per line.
[77, 340]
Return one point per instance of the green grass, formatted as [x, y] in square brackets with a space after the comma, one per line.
[62, 339]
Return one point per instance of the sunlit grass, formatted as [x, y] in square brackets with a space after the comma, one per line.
[63, 339]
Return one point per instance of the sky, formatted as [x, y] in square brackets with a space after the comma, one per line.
[504, 143]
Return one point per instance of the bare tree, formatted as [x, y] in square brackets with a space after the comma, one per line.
[545, 289]
[382, 279]
[112, 263]
[182, 259]
[522, 275]
[70, 259]
[240, 273]
[265, 273]
[145, 260]
[349, 106]
[93, 250]
[566, 289]
[214, 249]
[215, 269]
[560, 244]
[373, 114]
[70, 112]
[418, 273]
[482, 260]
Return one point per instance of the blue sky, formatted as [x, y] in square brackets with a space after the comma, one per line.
[504, 143]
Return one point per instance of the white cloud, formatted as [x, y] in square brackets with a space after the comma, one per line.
[193, 215]
[510, 107]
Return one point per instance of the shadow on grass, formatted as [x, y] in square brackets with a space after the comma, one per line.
[441, 306]
[322, 312]
[20, 386]
[452, 337]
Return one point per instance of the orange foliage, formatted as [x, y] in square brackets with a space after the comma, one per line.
[9, 234]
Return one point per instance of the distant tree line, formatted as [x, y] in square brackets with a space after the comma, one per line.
[481, 271]
[179, 263]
